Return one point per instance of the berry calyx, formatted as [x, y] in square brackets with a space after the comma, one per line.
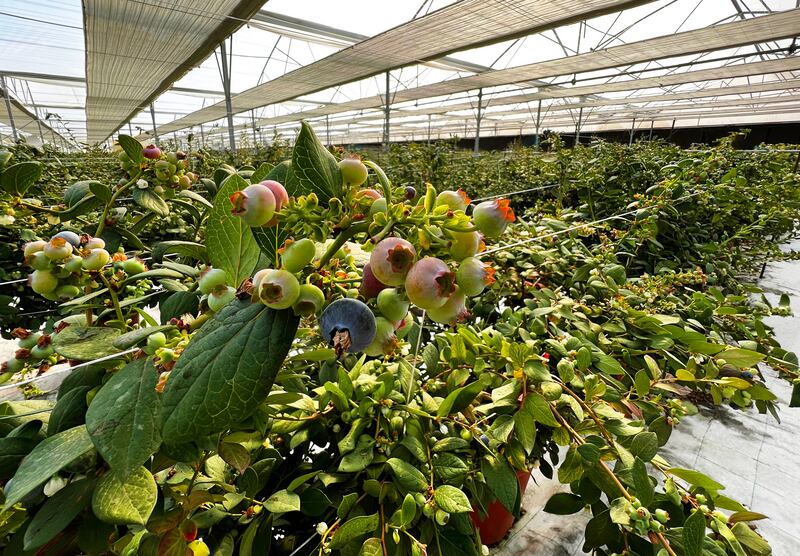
[309, 301]
[455, 200]
[430, 283]
[392, 305]
[58, 248]
[298, 254]
[354, 173]
[348, 325]
[277, 289]
[473, 276]
[492, 217]
[391, 260]
[210, 278]
[255, 204]
[152, 152]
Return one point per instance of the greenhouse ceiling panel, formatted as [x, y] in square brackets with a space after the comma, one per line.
[136, 49]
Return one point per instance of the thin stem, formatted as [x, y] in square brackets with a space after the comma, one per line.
[341, 239]
[102, 225]
[196, 472]
[114, 298]
[37, 208]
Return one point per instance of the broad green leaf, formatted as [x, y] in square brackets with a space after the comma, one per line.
[347, 504]
[564, 503]
[642, 383]
[502, 481]
[314, 502]
[178, 304]
[696, 478]
[450, 468]
[645, 445]
[132, 148]
[227, 370]
[261, 173]
[229, 241]
[460, 398]
[12, 451]
[315, 169]
[408, 510]
[150, 200]
[454, 542]
[101, 191]
[641, 481]
[69, 411]
[17, 178]
[694, 531]
[536, 405]
[76, 192]
[359, 458]
[451, 499]
[407, 476]
[525, 427]
[752, 541]
[85, 343]
[58, 512]
[190, 249]
[124, 418]
[371, 547]
[283, 501]
[742, 358]
[354, 528]
[619, 511]
[130, 339]
[235, 455]
[45, 460]
[122, 500]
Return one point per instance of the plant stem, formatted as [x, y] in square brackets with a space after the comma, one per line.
[114, 298]
[102, 225]
[341, 239]
[38, 208]
[196, 472]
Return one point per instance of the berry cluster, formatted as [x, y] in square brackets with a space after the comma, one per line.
[33, 349]
[169, 171]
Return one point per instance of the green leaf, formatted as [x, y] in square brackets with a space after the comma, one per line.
[459, 399]
[408, 510]
[450, 467]
[12, 451]
[694, 531]
[752, 541]
[540, 409]
[354, 528]
[130, 339]
[371, 547]
[453, 542]
[58, 512]
[261, 173]
[618, 511]
[502, 481]
[645, 445]
[45, 460]
[69, 411]
[525, 427]
[315, 169]
[150, 200]
[696, 478]
[85, 343]
[229, 241]
[283, 501]
[451, 499]
[177, 305]
[122, 500]
[347, 504]
[124, 418]
[17, 178]
[564, 503]
[132, 148]
[227, 370]
[101, 191]
[76, 192]
[741, 358]
[359, 458]
[188, 249]
[643, 486]
[407, 476]
[642, 382]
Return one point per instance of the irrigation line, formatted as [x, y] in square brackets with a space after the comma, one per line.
[13, 282]
[68, 369]
[501, 195]
[573, 228]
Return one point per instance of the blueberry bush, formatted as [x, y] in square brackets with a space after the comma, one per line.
[326, 361]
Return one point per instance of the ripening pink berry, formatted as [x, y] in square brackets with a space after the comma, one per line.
[430, 283]
[473, 276]
[492, 217]
[152, 152]
[455, 200]
[391, 260]
[255, 204]
[370, 285]
[453, 311]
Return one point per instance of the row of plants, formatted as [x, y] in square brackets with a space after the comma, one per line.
[346, 364]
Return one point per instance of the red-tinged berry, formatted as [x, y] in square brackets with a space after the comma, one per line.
[298, 254]
[134, 266]
[391, 259]
[392, 304]
[57, 249]
[348, 325]
[255, 205]
[96, 259]
[189, 530]
[370, 285]
[430, 283]
[310, 300]
[492, 217]
[473, 276]
[465, 244]
[277, 289]
[455, 200]
[71, 237]
[278, 191]
[220, 296]
[354, 173]
[152, 152]
[453, 311]
[32, 247]
[43, 282]
[368, 195]
[404, 326]
[210, 278]
[385, 341]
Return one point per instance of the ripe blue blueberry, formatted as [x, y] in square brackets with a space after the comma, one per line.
[348, 325]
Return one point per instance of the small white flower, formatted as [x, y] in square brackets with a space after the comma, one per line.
[54, 485]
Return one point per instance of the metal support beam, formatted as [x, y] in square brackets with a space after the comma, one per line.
[226, 86]
[429, 129]
[478, 122]
[652, 123]
[387, 116]
[633, 130]
[253, 121]
[538, 123]
[328, 129]
[7, 97]
[202, 138]
[153, 118]
[578, 128]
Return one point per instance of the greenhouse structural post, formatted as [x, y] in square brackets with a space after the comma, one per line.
[202, 137]
[226, 87]
[253, 122]
[478, 122]
[633, 130]
[578, 128]
[538, 123]
[7, 96]
[130, 129]
[153, 118]
[387, 112]
[328, 129]
[429, 128]
[652, 123]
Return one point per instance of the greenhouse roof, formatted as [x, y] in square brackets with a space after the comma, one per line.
[97, 67]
